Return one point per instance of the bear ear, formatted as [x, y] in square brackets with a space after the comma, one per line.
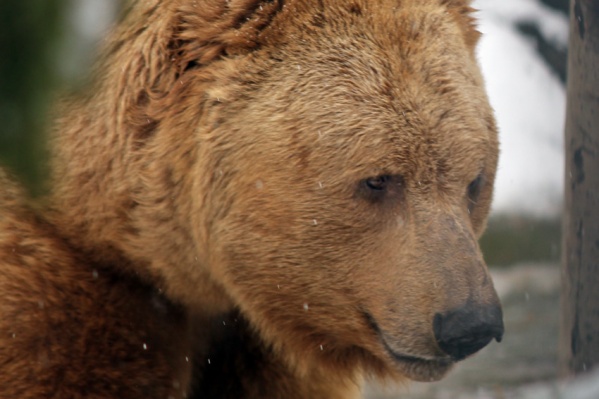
[463, 13]
[209, 29]
[159, 41]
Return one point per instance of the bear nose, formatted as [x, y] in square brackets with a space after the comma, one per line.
[466, 330]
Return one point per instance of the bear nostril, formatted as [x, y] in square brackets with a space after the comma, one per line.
[466, 330]
[499, 334]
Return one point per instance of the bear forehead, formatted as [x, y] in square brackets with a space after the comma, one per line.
[389, 22]
[390, 82]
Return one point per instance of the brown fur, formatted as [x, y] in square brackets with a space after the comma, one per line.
[220, 158]
[72, 329]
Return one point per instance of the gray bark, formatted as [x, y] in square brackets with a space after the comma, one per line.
[579, 346]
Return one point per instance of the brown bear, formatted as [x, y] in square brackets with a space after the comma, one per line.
[258, 199]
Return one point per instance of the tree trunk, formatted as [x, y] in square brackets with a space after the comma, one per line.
[579, 346]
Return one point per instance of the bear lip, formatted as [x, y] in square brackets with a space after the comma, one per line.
[420, 368]
[423, 368]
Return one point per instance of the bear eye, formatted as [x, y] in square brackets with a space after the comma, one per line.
[378, 189]
[474, 189]
[378, 183]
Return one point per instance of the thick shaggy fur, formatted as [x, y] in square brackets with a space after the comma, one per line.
[211, 204]
[73, 329]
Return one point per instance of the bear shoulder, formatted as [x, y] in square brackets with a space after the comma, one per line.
[72, 329]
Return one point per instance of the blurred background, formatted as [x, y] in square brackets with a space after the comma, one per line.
[47, 46]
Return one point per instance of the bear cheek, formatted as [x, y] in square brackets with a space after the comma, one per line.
[295, 272]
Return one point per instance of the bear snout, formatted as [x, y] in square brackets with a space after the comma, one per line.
[464, 331]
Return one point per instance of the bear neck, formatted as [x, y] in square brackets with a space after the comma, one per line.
[126, 203]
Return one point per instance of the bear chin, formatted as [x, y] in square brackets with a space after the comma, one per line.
[420, 369]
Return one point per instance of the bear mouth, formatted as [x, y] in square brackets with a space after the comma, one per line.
[415, 367]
